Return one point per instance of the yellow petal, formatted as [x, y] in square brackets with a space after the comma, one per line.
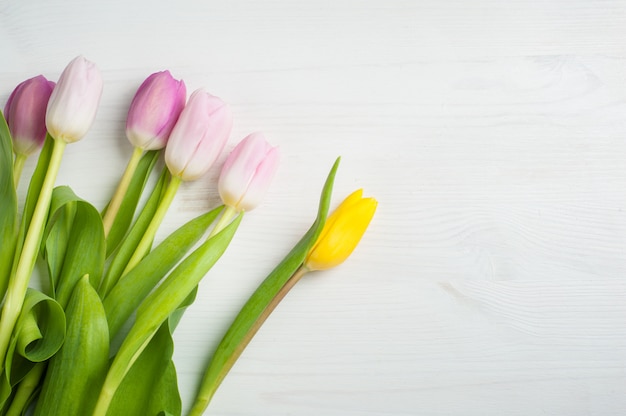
[342, 232]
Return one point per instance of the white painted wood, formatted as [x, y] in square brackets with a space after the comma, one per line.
[492, 280]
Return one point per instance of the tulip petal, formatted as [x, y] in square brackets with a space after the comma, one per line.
[342, 232]
[25, 113]
[74, 101]
[154, 111]
[199, 136]
[260, 183]
[247, 173]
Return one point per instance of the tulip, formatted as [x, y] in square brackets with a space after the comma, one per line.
[198, 137]
[247, 173]
[342, 232]
[74, 101]
[25, 113]
[154, 111]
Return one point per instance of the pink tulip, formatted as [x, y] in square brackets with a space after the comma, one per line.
[25, 113]
[154, 111]
[247, 173]
[198, 137]
[74, 101]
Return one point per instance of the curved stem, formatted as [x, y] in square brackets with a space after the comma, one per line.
[120, 192]
[26, 263]
[18, 165]
[211, 382]
[146, 241]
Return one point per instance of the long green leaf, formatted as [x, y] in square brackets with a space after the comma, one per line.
[160, 304]
[8, 207]
[76, 372]
[82, 248]
[131, 289]
[151, 385]
[254, 311]
[56, 239]
[129, 204]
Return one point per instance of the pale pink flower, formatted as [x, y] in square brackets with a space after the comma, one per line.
[74, 101]
[198, 137]
[248, 172]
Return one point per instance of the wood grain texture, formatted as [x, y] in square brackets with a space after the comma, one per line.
[493, 278]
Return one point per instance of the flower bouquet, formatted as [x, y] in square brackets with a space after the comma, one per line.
[96, 339]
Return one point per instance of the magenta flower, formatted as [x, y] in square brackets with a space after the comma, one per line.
[74, 101]
[25, 113]
[248, 172]
[154, 111]
[198, 137]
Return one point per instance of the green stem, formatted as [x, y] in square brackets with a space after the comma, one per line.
[19, 282]
[211, 381]
[227, 215]
[120, 192]
[146, 241]
[18, 165]
[25, 390]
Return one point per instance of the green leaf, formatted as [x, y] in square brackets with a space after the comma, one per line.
[151, 385]
[131, 289]
[75, 373]
[129, 204]
[76, 246]
[137, 231]
[160, 304]
[166, 298]
[38, 335]
[255, 310]
[8, 206]
[56, 240]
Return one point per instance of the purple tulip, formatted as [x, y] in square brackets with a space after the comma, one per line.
[154, 111]
[198, 137]
[25, 113]
[248, 172]
[74, 101]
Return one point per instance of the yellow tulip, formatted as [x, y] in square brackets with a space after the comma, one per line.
[342, 232]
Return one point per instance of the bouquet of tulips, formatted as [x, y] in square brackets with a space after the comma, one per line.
[97, 339]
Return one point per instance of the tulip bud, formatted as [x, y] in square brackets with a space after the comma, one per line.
[342, 232]
[154, 111]
[198, 137]
[25, 113]
[247, 173]
[74, 101]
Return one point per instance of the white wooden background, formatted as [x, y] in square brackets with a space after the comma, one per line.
[493, 133]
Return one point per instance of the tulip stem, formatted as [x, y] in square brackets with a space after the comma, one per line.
[18, 165]
[211, 382]
[25, 390]
[227, 215]
[120, 192]
[146, 241]
[18, 283]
